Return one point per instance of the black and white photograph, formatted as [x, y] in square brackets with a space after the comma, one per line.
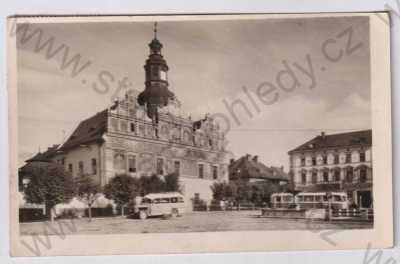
[162, 126]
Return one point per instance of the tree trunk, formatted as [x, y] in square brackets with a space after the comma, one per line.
[122, 210]
[90, 213]
[50, 209]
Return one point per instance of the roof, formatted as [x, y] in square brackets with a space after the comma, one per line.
[357, 138]
[253, 169]
[45, 156]
[88, 131]
[163, 195]
[322, 193]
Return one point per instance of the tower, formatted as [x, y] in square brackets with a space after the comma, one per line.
[156, 94]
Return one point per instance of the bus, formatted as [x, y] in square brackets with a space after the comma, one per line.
[160, 204]
[282, 200]
[337, 200]
[305, 200]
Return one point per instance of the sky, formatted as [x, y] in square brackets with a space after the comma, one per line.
[209, 64]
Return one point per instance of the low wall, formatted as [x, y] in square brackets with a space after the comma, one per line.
[294, 213]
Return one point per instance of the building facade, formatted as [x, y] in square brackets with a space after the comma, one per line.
[337, 162]
[248, 168]
[145, 134]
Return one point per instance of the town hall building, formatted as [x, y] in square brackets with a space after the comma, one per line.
[145, 135]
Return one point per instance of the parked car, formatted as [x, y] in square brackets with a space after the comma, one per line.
[160, 204]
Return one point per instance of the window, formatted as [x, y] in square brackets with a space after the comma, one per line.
[314, 161]
[363, 174]
[163, 75]
[63, 161]
[325, 176]
[362, 156]
[132, 127]
[160, 166]
[124, 126]
[177, 167]
[336, 175]
[303, 162]
[336, 159]
[131, 163]
[114, 124]
[348, 157]
[80, 167]
[303, 178]
[94, 166]
[215, 172]
[349, 175]
[325, 160]
[70, 168]
[314, 177]
[201, 171]
[119, 161]
[154, 72]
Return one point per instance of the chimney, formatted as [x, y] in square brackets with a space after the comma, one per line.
[322, 134]
[248, 156]
[255, 158]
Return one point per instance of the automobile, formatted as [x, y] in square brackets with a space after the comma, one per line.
[160, 204]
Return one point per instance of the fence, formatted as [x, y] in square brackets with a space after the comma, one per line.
[364, 214]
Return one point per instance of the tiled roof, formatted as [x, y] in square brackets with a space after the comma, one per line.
[45, 156]
[251, 168]
[88, 131]
[357, 138]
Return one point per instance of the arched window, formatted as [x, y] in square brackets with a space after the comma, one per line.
[363, 174]
[314, 177]
[325, 175]
[336, 174]
[349, 174]
[303, 177]
[362, 156]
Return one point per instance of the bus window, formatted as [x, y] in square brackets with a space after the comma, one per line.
[164, 200]
[146, 200]
[180, 200]
[278, 199]
[300, 198]
[308, 198]
[287, 198]
[156, 201]
[174, 199]
[325, 198]
[318, 198]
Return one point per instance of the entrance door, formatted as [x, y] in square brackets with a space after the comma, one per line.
[365, 199]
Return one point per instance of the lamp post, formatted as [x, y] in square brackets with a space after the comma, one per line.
[329, 197]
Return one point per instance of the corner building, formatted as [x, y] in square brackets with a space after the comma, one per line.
[338, 162]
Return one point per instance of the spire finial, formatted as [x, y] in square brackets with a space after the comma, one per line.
[155, 30]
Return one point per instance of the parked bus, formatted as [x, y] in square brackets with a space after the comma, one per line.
[337, 200]
[158, 204]
[282, 200]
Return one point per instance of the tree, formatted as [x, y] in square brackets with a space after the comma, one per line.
[50, 185]
[172, 182]
[87, 191]
[219, 190]
[122, 189]
[152, 184]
